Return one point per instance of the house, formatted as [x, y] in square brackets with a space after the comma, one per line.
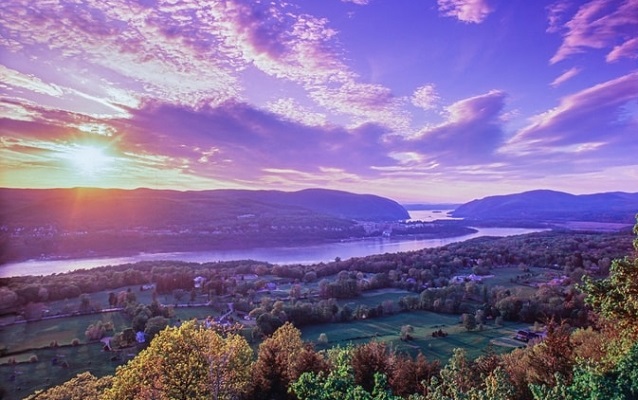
[466, 278]
[199, 281]
[525, 335]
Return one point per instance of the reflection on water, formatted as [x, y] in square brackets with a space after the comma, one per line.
[431, 215]
[276, 255]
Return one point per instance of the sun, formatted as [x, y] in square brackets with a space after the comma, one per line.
[89, 160]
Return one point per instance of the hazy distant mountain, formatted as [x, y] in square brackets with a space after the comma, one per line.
[552, 205]
[115, 208]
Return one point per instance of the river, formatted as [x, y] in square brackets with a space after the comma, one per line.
[276, 255]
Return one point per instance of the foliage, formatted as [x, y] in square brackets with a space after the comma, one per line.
[83, 387]
[282, 358]
[339, 383]
[367, 361]
[616, 297]
[188, 362]
[620, 383]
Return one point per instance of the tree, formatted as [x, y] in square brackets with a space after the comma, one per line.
[282, 358]
[411, 376]
[406, 332]
[339, 383]
[619, 383]
[469, 321]
[367, 360]
[186, 362]
[616, 297]
[154, 326]
[83, 387]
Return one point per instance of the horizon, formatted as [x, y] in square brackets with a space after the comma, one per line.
[441, 101]
[402, 203]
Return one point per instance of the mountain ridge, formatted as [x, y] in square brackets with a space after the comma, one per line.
[143, 206]
[545, 204]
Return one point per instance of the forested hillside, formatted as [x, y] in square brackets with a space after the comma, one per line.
[544, 205]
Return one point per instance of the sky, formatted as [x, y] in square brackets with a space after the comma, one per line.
[416, 100]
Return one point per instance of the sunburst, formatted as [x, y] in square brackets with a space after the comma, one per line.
[89, 160]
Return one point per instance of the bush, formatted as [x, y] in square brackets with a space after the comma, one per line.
[95, 331]
[75, 342]
[33, 359]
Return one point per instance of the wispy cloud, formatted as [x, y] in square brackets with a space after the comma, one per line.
[166, 49]
[235, 141]
[592, 120]
[628, 49]
[556, 15]
[425, 97]
[192, 53]
[470, 11]
[301, 48]
[15, 79]
[471, 132]
[289, 108]
[600, 24]
[565, 76]
[359, 2]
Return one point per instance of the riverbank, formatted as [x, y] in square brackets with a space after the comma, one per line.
[311, 254]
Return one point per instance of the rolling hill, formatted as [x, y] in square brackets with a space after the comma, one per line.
[115, 208]
[544, 205]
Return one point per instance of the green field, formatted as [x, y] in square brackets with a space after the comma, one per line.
[373, 298]
[387, 329]
[57, 365]
[39, 334]
[54, 364]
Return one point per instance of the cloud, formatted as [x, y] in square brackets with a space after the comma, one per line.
[628, 49]
[193, 53]
[169, 50]
[289, 108]
[555, 15]
[600, 24]
[16, 79]
[358, 2]
[592, 121]
[301, 48]
[471, 133]
[235, 141]
[470, 11]
[565, 76]
[425, 97]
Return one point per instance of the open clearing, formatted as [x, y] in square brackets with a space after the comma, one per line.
[387, 329]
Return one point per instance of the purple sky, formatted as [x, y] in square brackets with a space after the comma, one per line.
[417, 100]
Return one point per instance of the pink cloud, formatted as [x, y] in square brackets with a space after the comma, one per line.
[131, 41]
[600, 24]
[628, 49]
[587, 120]
[565, 76]
[192, 53]
[471, 132]
[301, 48]
[358, 2]
[471, 11]
[556, 14]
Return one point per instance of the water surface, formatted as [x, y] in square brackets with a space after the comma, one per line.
[276, 255]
